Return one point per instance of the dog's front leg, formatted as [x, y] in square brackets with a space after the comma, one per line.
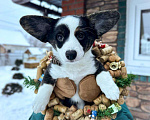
[44, 93]
[105, 82]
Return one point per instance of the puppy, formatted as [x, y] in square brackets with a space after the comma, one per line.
[72, 38]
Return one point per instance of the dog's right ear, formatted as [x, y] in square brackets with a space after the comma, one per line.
[103, 21]
[39, 26]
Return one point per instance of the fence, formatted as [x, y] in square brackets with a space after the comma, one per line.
[9, 58]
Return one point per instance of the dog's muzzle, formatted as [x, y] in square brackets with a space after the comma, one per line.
[71, 54]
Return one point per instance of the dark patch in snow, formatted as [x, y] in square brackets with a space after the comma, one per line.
[15, 68]
[18, 76]
[11, 88]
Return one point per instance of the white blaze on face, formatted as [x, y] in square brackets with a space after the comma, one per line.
[71, 43]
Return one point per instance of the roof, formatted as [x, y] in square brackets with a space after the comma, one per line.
[2, 46]
[43, 5]
[36, 50]
[58, 3]
[12, 38]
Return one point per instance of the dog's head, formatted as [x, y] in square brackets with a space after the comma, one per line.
[70, 36]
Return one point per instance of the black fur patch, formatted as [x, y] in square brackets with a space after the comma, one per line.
[103, 21]
[88, 32]
[63, 30]
[68, 102]
[89, 37]
[39, 26]
[99, 67]
[47, 77]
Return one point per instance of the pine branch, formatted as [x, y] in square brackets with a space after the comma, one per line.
[105, 113]
[56, 113]
[124, 82]
[30, 83]
[108, 112]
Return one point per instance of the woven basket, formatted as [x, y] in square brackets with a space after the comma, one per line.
[31, 65]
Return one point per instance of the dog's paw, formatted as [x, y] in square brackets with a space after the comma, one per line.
[107, 85]
[42, 98]
[112, 93]
[39, 104]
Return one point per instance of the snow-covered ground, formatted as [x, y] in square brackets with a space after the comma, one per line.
[19, 105]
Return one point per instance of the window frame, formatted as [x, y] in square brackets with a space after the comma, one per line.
[136, 63]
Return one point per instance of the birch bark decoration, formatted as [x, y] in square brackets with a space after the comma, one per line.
[49, 114]
[60, 108]
[55, 118]
[71, 110]
[106, 50]
[53, 102]
[76, 114]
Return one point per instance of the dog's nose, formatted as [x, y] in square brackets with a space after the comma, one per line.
[71, 54]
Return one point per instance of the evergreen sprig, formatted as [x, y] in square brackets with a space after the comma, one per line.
[30, 83]
[56, 113]
[105, 113]
[124, 82]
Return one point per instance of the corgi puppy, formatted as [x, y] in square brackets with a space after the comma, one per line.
[72, 38]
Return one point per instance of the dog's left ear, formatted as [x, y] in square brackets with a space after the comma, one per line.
[39, 26]
[103, 21]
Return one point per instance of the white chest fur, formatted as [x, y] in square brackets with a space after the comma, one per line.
[75, 71]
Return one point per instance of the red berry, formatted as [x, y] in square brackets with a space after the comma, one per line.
[88, 111]
[103, 46]
[94, 44]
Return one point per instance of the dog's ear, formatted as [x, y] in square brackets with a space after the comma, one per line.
[38, 26]
[103, 21]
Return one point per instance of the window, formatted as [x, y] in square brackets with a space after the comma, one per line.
[145, 33]
[137, 47]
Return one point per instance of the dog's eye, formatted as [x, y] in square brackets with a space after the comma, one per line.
[60, 37]
[80, 36]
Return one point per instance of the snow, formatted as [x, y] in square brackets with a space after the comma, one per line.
[48, 45]
[12, 38]
[19, 105]
[11, 14]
